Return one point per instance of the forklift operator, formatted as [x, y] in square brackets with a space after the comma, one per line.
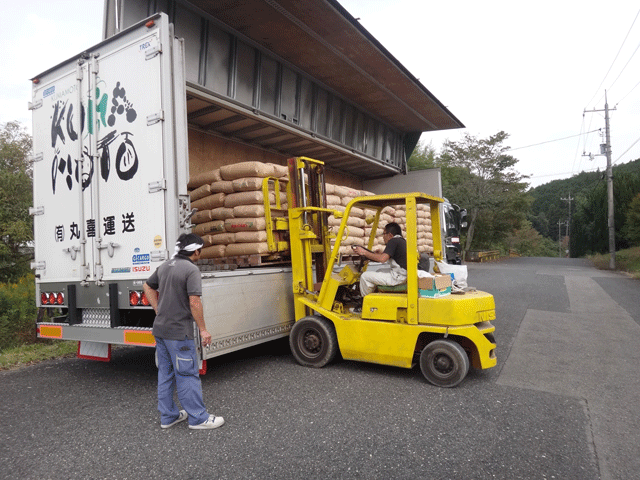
[394, 254]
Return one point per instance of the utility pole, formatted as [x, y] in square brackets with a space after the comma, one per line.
[605, 149]
[568, 223]
[560, 223]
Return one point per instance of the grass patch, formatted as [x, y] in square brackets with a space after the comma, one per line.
[627, 260]
[36, 352]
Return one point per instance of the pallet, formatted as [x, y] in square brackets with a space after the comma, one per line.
[243, 261]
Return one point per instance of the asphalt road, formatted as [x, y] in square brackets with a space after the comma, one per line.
[562, 402]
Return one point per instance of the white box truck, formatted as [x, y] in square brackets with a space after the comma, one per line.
[110, 199]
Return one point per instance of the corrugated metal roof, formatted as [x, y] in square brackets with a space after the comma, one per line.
[322, 39]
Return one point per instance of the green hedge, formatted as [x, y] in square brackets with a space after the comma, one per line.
[18, 312]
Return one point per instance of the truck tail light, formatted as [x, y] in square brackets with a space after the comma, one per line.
[134, 297]
[52, 298]
[137, 297]
[144, 300]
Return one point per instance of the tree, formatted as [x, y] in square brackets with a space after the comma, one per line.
[589, 228]
[631, 229]
[529, 243]
[481, 176]
[15, 199]
[423, 157]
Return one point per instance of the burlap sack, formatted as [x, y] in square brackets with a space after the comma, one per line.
[236, 249]
[353, 241]
[215, 251]
[246, 169]
[251, 237]
[221, 213]
[425, 249]
[200, 192]
[379, 231]
[346, 200]
[207, 203]
[356, 212]
[216, 226]
[245, 224]
[247, 184]
[200, 179]
[333, 200]
[351, 221]
[279, 171]
[201, 217]
[221, 238]
[248, 211]
[251, 198]
[223, 186]
[345, 191]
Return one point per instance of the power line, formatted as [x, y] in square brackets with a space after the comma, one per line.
[575, 157]
[616, 57]
[550, 141]
[625, 66]
[563, 173]
[629, 92]
[632, 145]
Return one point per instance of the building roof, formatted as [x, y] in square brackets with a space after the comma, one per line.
[322, 39]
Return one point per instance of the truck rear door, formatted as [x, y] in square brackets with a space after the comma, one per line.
[110, 155]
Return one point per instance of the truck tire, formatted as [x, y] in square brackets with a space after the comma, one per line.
[313, 341]
[444, 363]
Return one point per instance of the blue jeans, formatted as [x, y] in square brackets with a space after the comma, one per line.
[178, 370]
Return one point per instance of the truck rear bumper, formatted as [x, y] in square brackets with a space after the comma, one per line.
[142, 337]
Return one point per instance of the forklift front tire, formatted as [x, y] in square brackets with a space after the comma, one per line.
[444, 363]
[313, 341]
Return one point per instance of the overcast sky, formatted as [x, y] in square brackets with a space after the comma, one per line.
[528, 68]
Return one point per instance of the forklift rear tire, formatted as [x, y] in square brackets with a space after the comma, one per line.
[444, 363]
[313, 341]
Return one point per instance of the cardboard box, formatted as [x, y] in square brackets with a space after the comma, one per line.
[438, 286]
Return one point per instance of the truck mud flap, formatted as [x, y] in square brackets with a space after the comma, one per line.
[94, 351]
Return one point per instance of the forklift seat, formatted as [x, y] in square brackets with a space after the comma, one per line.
[402, 288]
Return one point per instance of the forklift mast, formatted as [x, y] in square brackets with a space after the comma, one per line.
[308, 223]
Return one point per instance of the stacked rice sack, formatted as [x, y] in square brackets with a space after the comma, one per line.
[231, 217]
[358, 230]
[424, 234]
[231, 214]
[337, 199]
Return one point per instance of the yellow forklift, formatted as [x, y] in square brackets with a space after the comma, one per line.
[401, 328]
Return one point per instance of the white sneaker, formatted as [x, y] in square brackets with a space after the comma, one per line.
[182, 416]
[211, 422]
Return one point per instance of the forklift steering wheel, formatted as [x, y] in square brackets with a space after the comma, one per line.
[364, 261]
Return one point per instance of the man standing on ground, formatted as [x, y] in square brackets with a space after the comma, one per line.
[174, 292]
[395, 254]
